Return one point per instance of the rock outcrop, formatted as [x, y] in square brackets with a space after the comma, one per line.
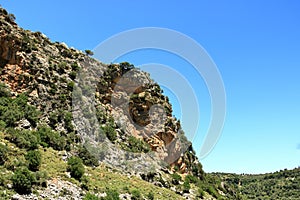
[115, 108]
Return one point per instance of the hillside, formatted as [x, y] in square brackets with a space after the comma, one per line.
[281, 185]
[72, 127]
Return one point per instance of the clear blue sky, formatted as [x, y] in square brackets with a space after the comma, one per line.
[255, 44]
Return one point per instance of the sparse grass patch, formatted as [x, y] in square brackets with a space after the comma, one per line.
[101, 179]
[52, 163]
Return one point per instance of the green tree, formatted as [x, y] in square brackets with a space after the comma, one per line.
[89, 52]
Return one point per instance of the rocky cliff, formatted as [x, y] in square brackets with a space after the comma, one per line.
[115, 112]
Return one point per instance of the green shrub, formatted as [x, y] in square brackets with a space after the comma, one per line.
[61, 67]
[4, 91]
[75, 167]
[87, 158]
[3, 153]
[176, 178]
[23, 138]
[53, 119]
[68, 121]
[70, 85]
[90, 196]
[212, 192]
[41, 178]
[136, 145]
[101, 116]
[31, 114]
[136, 195]
[198, 171]
[85, 182]
[50, 138]
[150, 196]
[71, 139]
[201, 193]
[2, 125]
[111, 195]
[110, 132]
[11, 113]
[191, 179]
[73, 75]
[23, 180]
[186, 187]
[125, 66]
[34, 159]
[75, 67]
[13, 110]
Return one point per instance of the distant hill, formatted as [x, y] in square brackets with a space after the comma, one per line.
[281, 185]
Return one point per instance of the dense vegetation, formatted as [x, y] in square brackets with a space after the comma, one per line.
[281, 185]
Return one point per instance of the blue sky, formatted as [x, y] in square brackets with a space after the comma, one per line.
[255, 44]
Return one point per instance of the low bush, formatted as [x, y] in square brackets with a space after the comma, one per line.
[41, 178]
[136, 145]
[110, 132]
[87, 157]
[23, 138]
[34, 159]
[23, 180]
[186, 187]
[150, 196]
[75, 167]
[111, 195]
[4, 91]
[136, 195]
[13, 110]
[90, 196]
[191, 179]
[176, 178]
[68, 121]
[50, 138]
[3, 153]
